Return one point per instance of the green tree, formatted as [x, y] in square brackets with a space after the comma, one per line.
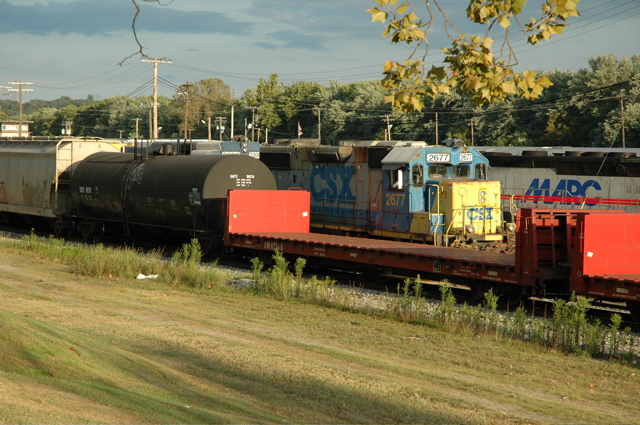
[470, 63]
[259, 105]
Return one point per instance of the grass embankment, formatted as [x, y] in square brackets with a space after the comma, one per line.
[110, 349]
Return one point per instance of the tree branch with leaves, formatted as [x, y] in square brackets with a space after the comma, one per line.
[470, 64]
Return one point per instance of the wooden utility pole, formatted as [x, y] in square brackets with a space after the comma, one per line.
[253, 122]
[220, 127]
[319, 122]
[20, 90]
[186, 110]
[437, 139]
[387, 133]
[622, 123]
[155, 92]
[137, 120]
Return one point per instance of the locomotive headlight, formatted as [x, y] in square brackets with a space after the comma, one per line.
[470, 229]
[483, 196]
[511, 227]
[483, 193]
[483, 200]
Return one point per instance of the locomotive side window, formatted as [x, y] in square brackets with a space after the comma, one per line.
[395, 178]
[438, 171]
[417, 175]
[481, 171]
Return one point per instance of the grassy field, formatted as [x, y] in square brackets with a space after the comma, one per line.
[76, 349]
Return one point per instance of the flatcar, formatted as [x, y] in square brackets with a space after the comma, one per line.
[557, 177]
[396, 190]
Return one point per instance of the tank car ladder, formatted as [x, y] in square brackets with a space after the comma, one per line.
[64, 172]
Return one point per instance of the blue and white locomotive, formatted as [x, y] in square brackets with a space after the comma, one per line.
[396, 190]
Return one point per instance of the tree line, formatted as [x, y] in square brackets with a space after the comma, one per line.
[596, 106]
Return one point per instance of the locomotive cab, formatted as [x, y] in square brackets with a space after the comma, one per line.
[440, 194]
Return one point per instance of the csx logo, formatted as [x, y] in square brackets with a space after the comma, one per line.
[332, 182]
[564, 188]
[474, 214]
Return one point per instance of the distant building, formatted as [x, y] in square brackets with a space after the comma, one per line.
[11, 128]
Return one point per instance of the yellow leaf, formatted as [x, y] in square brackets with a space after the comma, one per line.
[504, 22]
[377, 15]
[509, 87]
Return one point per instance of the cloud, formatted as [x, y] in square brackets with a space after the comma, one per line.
[328, 17]
[292, 39]
[97, 17]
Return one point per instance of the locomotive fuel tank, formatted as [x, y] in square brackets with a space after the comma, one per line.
[178, 192]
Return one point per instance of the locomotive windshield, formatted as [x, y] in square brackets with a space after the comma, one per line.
[444, 171]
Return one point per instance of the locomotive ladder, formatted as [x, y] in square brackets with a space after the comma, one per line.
[64, 161]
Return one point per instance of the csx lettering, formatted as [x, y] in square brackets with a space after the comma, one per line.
[394, 199]
[565, 188]
[480, 214]
[331, 182]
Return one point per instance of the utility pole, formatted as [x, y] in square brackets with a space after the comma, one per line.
[155, 92]
[220, 126]
[232, 120]
[473, 143]
[253, 122]
[186, 110]
[67, 128]
[387, 134]
[437, 139]
[622, 123]
[137, 120]
[20, 90]
[319, 122]
[209, 128]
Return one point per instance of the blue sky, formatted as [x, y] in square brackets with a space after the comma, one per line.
[74, 47]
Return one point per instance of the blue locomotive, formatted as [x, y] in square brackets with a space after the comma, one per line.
[396, 190]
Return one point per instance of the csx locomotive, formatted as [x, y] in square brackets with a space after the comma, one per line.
[398, 190]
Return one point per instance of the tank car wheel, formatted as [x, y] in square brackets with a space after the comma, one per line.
[217, 249]
[99, 233]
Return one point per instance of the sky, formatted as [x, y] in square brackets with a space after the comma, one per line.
[78, 48]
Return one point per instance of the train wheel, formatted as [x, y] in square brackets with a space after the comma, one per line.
[85, 229]
[99, 233]
[634, 309]
[478, 289]
[512, 293]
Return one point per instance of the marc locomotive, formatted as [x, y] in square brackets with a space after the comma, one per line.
[566, 177]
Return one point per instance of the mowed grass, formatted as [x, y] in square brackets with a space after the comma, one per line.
[112, 349]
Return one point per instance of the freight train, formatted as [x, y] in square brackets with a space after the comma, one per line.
[90, 186]
[556, 177]
[396, 190]
[231, 203]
